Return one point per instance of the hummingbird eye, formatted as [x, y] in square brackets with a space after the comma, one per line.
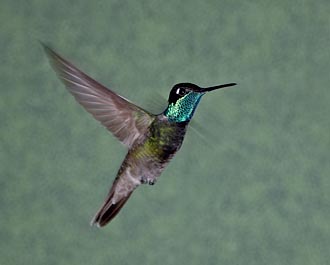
[177, 92]
[181, 91]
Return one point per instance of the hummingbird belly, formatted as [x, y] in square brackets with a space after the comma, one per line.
[163, 141]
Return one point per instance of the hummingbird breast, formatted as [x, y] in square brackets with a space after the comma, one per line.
[165, 139]
[149, 157]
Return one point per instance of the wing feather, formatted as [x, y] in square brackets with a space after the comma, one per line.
[124, 119]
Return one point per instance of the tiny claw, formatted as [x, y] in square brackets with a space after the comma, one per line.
[147, 181]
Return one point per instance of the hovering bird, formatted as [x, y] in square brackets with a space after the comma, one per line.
[152, 140]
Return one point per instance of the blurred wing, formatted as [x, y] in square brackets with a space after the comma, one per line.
[125, 120]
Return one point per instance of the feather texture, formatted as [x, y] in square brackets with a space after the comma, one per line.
[124, 119]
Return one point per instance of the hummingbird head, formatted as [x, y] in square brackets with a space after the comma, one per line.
[183, 100]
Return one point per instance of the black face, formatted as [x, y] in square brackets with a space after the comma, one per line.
[180, 90]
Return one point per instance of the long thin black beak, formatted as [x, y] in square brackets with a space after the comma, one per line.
[207, 89]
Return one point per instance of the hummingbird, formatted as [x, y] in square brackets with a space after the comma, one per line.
[152, 139]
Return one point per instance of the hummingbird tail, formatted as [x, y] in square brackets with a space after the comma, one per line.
[109, 210]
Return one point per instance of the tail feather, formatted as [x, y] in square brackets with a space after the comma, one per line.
[122, 188]
[108, 211]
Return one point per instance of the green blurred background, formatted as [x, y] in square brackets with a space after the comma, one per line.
[251, 183]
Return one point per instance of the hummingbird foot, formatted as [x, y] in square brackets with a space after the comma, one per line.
[151, 182]
[148, 181]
